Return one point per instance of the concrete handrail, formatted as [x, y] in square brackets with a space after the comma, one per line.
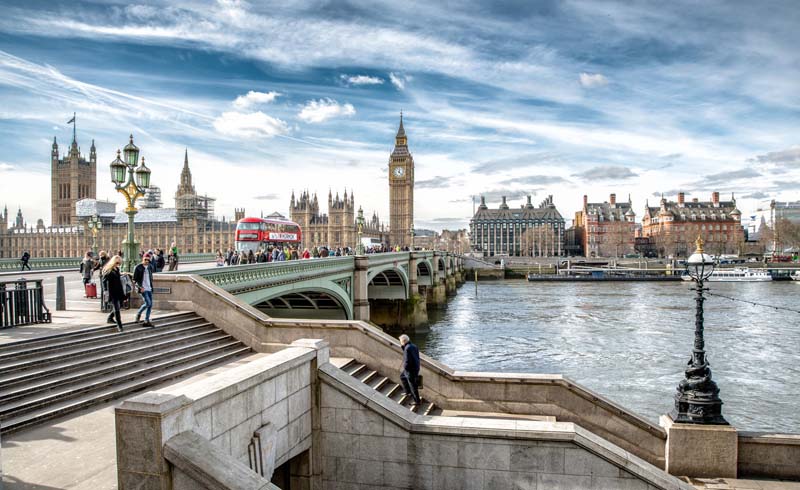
[210, 467]
[534, 394]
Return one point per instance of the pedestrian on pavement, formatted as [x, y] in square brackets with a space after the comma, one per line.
[306, 254]
[251, 258]
[87, 267]
[116, 293]
[143, 279]
[102, 260]
[160, 261]
[25, 258]
[220, 259]
[172, 258]
[410, 373]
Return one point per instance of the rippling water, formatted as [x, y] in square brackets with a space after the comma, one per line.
[630, 341]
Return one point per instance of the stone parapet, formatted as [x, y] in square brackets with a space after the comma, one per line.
[369, 441]
[700, 450]
[769, 455]
[225, 409]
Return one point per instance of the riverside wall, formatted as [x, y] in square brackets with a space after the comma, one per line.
[763, 455]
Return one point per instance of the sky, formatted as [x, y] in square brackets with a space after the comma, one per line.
[499, 99]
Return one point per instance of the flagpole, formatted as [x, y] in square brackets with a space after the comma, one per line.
[74, 128]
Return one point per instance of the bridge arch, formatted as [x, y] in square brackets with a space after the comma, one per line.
[303, 301]
[424, 273]
[387, 282]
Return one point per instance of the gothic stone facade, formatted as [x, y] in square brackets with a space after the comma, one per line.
[527, 231]
[72, 178]
[335, 229]
[606, 229]
[154, 227]
[401, 191]
[673, 226]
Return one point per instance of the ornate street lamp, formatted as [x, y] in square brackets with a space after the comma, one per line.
[95, 225]
[697, 400]
[360, 222]
[138, 180]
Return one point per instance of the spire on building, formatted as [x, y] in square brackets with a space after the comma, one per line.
[55, 143]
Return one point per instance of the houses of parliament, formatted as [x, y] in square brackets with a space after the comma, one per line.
[191, 223]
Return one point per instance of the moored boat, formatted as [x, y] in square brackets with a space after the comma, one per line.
[738, 274]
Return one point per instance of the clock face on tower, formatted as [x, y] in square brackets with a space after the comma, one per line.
[399, 171]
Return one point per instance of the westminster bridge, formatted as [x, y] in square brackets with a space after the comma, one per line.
[393, 290]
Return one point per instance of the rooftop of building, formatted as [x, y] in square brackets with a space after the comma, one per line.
[545, 211]
[690, 210]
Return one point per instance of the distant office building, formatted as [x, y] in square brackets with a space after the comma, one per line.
[673, 226]
[527, 231]
[605, 229]
[785, 210]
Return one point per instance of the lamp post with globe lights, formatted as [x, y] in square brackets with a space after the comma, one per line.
[697, 399]
[138, 180]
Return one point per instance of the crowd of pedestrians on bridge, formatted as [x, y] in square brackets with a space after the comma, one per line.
[281, 254]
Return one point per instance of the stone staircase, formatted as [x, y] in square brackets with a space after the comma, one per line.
[50, 376]
[382, 384]
[394, 392]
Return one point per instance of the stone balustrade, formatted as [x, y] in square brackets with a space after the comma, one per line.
[272, 394]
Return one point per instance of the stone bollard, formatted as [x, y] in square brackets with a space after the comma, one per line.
[61, 296]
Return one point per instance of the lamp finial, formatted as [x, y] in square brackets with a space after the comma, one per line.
[699, 244]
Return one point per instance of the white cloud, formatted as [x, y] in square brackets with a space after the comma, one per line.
[316, 111]
[254, 98]
[361, 80]
[399, 81]
[5, 166]
[592, 80]
[250, 125]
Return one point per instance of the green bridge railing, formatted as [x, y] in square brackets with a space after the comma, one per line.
[56, 263]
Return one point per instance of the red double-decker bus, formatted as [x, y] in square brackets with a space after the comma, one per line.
[262, 233]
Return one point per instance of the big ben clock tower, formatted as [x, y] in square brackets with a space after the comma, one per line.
[401, 190]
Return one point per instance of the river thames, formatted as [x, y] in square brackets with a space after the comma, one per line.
[630, 341]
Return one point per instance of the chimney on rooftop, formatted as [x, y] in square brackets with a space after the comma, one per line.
[681, 198]
[612, 199]
[715, 198]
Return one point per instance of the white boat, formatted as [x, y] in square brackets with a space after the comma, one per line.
[737, 275]
[795, 276]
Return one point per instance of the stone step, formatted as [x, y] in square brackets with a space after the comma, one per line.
[84, 332]
[132, 331]
[29, 374]
[113, 392]
[57, 378]
[382, 384]
[37, 399]
[40, 381]
[174, 332]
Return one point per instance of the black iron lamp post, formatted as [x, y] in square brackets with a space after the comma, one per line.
[697, 400]
[138, 180]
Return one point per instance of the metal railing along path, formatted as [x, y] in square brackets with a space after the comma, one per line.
[22, 303]
[69, 263]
